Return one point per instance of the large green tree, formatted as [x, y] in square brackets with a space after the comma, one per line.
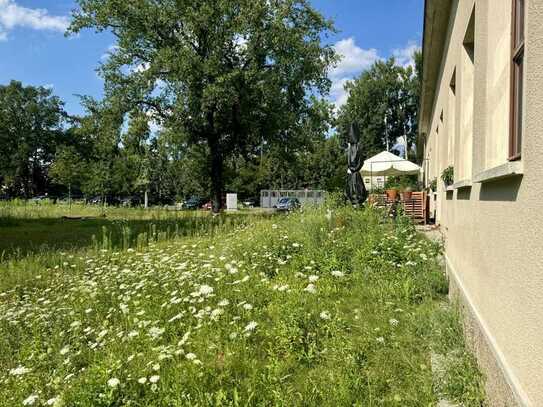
[386, 90]
[101, 128]
[229, 73]
[66, 168]
[31, 127]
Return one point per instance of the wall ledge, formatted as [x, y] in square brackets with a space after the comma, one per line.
[466, 183]
[507, 170]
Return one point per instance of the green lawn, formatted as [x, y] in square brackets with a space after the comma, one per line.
[326, 307]
[31, 228]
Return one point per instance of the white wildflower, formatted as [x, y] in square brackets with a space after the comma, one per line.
[52, 401]
[65, 350]
[190, 356]
[30, 400]
[142, 380]
[394, 322]
[133, 334]
[156, 332]
[310, 288]
[154, 379]
[175, 318]
[19, 371]
[337, 273]
[325, 315]
[205, 290]
[113, 382]
[216, 313]
[251, 326]
[380, 339]
[75, 324]
[313, 279]
[247, 307]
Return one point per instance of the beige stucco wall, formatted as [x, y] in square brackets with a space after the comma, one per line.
[494, 231]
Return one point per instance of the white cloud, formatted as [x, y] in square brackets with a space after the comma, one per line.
[353, 58]
[404, 56]
[12, 16]
[338, 93]
[353, 61]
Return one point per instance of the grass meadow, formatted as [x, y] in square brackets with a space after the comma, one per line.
[30, 228]
[323, 307]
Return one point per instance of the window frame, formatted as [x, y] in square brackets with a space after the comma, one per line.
[518, 39]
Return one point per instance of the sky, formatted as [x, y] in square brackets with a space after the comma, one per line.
[35, 51]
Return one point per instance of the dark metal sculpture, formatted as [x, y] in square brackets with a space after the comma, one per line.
[355, 191]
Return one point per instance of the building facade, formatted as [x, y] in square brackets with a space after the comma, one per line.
[482, 114]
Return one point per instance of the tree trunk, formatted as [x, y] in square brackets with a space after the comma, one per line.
[70, 195]
[216, 174]
[146, 199]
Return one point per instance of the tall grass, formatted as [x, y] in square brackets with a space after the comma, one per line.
[23, 209]
[27, 228]
[324, 307]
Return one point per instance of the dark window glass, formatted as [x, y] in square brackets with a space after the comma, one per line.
[517, 80]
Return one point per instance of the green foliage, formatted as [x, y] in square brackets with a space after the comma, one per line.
[31, 121]
[447, 175]
[329, 306]
[402, 182]
[229, 74]
[66, 167]
[385, 89]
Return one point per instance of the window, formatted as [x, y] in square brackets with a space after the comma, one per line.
[464, 165]
[452, 120]
[517, 80]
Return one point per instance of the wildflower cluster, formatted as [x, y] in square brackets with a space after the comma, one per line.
[266, 313]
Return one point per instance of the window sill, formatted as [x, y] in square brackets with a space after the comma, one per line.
[507, 170]
[466, 183]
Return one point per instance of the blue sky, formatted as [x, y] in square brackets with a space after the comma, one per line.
[34, 50]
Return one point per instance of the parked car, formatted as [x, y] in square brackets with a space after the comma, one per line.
[130, 201]
[95, 200]
[192, 203]
[288, 204]
[39, 198]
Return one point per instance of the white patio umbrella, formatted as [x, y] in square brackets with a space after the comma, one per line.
[388, 165]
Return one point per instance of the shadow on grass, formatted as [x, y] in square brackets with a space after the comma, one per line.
[22, 237]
